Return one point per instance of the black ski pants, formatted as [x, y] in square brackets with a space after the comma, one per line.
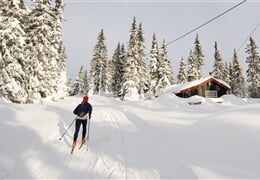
[77, 127]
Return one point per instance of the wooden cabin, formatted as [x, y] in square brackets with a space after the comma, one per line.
[209, 87]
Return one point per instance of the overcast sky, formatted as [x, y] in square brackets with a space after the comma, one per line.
[170, 19]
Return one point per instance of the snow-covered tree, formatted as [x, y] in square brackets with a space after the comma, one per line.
[70, 87]
[182, 77]
[141, 64]
[154, 66]
[12, 43]
[46, 44]
[32, 51]
[121, 69]
[131, 81]
[192, 70]
[237, 80]
[109, 76]
[81, 83]
[253, 71]
[166, 77]
[226, 76]
[118, 63]
[115, 84]
[61, 78]
[97, 82]
[218, 68]
[198, 57]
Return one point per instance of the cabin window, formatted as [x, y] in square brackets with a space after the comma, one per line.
[211, 94]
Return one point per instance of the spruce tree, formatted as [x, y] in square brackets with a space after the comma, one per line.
[12, 43]
[218, 68]
[131, 81]
[226, 76]
[182, 77]
[166, 77]
[60, 57]
[253, 75]
[117, 70]
[198, 58]
[192, 72]
[154, 66]
[34, 48]
[121, 69]
[237, 80]
[109, 76]
[40, 27]
[141, 63]
[99, 66]
[45, 53]
[80, 85]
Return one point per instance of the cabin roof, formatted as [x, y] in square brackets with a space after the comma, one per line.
[186, 87]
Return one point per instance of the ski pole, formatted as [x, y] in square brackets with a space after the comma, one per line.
[88, 129]
[67, 129]
[88, 124]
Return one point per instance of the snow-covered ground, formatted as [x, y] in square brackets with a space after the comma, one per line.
[153, 139]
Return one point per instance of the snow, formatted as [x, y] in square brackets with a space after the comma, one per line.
[162, 138]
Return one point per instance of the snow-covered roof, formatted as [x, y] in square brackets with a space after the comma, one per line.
[197, 83]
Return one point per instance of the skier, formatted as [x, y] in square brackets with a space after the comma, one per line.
[83, 112]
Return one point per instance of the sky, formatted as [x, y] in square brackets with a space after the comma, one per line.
[84, 19]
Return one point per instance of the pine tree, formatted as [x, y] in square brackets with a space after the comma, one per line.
[182, 77]
[154, 66]
[253, 75]
[192, 70]
[237, 80]
[218, 68]
[98, 66]
[198, 58]
[166, 77]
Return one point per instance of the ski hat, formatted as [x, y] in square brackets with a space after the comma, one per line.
[85, 99]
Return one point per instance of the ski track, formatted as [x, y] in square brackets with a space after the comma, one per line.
[113, 118]
[90, 162]
[108, 155]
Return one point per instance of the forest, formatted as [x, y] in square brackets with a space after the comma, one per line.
[33, 60]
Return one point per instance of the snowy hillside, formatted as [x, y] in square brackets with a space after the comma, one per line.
[154, 139]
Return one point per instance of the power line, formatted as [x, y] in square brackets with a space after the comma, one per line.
[249, 36]
[182, 36]
[247, 39]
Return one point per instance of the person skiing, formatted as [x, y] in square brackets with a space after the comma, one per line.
[83, 111]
